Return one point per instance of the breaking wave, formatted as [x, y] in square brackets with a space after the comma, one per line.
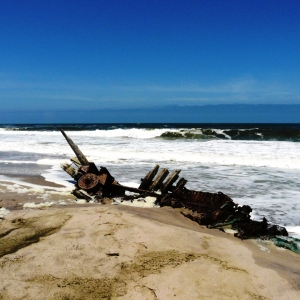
[250, 132]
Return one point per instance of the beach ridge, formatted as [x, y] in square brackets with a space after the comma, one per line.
[119, 252]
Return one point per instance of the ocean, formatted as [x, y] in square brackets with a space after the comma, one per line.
[254, 164]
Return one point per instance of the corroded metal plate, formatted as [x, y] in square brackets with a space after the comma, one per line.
[88, 181]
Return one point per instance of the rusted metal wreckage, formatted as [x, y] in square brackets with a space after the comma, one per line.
[215, 210]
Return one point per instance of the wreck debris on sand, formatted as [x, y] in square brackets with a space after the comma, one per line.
[214, 210]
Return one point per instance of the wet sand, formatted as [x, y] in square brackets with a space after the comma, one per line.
[18, 190]
[96, 251]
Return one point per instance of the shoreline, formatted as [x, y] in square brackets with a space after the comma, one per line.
[24, 189]
[32, 179]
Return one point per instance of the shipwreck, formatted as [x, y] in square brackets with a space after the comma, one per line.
[214, 210]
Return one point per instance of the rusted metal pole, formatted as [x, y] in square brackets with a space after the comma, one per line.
[135, 190]
[82, 159]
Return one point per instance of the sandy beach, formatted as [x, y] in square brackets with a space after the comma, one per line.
[95, 251]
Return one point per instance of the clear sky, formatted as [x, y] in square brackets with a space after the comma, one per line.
[62, 55]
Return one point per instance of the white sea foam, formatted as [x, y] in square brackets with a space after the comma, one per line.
[293, 231]
[221, 132]
[3, 212]
[264, 248]
[45, 193]
[6, 161]
[114, 145]
[57, 175]
[140, 202]
[19, 186]
[82, 201]
[39, 205]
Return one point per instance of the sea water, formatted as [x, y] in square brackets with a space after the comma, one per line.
[254, 164]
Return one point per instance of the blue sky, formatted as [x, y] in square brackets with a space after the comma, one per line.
[81, 55]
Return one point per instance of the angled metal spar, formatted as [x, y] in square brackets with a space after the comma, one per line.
[82, 159]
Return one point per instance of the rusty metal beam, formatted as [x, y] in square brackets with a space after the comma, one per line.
[135, 190]
[147, 181]
[82, 159]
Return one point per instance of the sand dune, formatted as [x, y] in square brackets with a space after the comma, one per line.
[119, 252]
